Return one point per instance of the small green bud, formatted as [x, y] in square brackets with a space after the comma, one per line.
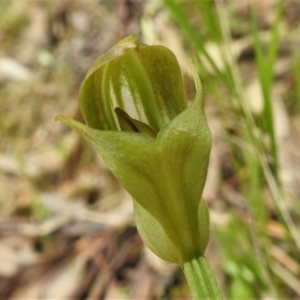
[137, 117]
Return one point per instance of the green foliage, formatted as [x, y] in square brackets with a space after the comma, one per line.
[252, 144]
[265, 67]
[296, 72]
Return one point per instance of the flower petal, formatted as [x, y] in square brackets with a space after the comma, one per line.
[184, 147]
[95, 96]
[165, 77]
[154, 235]
[144, 81]
[129, 124]
[133, 158]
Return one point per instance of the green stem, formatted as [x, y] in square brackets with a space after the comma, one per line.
[201, 279]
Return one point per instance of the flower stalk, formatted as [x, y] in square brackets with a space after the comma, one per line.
[201, 280]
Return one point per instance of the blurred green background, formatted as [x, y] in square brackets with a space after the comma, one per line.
[66, 225]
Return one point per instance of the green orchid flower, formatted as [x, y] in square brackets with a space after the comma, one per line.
[158, 147]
